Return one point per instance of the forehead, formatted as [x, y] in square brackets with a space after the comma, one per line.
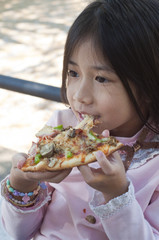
[88, 50]
[87, 54]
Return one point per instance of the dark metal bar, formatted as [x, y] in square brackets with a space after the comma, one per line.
[30, 88]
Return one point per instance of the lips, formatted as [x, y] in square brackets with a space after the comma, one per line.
[82, 115]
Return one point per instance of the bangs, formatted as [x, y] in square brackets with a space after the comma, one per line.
[126, 33]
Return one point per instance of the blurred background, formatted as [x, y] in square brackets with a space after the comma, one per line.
[32, 37]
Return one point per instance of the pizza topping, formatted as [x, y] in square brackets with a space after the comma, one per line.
[111, 141]
[90, 148]
[96, 138]
[37, 158]
[47, 150]
[92, 136]
[69, 154]
[60, 127]
[32, 150]
[47, 131]
[105, 139]
[52, 162]
[71, 133]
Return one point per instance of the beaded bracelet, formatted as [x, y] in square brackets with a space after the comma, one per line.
[25, 197]
[21, 203]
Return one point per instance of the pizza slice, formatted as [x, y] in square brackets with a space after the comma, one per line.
[61, 148]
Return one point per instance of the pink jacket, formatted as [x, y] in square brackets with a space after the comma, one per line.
[133, 216]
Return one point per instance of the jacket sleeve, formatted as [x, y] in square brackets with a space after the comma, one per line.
[125, 215]
[23, 223]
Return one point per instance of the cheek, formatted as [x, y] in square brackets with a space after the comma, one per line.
[69, 92]
[114, 104]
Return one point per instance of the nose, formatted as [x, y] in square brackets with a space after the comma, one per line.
[84, 93]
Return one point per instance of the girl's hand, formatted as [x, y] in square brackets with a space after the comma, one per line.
[28, 181]
[110, 178]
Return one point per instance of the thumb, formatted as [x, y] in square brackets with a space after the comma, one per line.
[19, 159]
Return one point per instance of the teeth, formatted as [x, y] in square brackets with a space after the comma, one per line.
[83, 115]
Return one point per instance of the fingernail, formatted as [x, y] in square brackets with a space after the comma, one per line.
[20, 164]
[105, 133]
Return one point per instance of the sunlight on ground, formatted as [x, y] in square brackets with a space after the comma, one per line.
[32, 37]
[32, 40]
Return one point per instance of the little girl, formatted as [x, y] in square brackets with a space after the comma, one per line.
[111, 71]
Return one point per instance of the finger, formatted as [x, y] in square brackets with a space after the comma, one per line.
[59, 177]
[86, 172]
[20, 163]
[47, 176]
[103, 162]
[42, 176]
[118, 159]
[116, 155]
[105, 133]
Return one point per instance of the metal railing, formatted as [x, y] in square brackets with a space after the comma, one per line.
[30, 88]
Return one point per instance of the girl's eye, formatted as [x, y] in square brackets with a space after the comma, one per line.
[72, 73]
[101, 79]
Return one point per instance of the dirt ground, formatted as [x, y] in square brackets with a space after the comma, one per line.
[32, 40]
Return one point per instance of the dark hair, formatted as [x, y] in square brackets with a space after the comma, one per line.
[127, 34]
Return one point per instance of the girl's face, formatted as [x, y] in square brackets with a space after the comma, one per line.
[93, 88]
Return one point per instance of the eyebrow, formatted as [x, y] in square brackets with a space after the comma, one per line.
[101, 67]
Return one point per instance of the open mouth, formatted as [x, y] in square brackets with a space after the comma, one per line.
[81, 116]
